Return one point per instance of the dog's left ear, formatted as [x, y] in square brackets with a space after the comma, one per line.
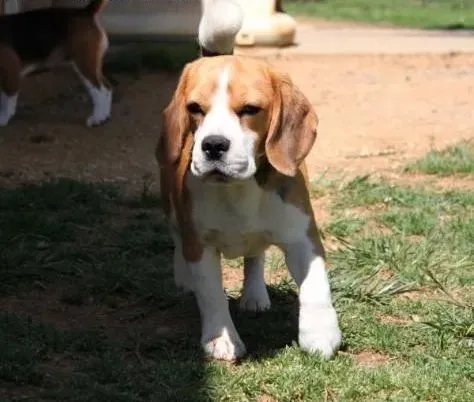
[293, 126]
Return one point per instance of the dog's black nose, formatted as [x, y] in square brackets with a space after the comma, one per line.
[214, 146]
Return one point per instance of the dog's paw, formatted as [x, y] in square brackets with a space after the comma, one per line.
[97, 120]
[225, 347]
[319, 332]
[255, 298]
[4, 119]
[102, 100]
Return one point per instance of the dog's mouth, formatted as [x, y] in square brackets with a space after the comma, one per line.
[217, 176]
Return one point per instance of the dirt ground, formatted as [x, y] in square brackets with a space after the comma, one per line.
[376, 112]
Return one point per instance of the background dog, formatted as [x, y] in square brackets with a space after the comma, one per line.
[47, 37]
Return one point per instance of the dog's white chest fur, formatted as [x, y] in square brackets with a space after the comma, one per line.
[241, 219]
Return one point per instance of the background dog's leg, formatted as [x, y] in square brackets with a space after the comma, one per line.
[10, 70]
[255, 295]
[318, 325]
[87, 61]
[219, 337]
[221, 20]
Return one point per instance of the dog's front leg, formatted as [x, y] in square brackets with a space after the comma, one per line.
[219, 337]
[318, 324]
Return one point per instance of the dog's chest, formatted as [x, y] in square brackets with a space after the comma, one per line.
[242, 219]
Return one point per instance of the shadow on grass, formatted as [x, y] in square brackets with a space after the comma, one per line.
[89, 310]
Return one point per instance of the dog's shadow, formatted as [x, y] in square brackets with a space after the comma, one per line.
[268, 333]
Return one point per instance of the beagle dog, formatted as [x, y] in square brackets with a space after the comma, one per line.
[233, 182]
[43, 38]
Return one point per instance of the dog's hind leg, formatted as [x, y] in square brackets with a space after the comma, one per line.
[10, 71]
[255, 295]
[88, 48]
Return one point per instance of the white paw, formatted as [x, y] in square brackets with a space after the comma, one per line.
[255, 299]
[4, 119]
[102, 100]
[319, 332]
[97, 119]
[225, 347]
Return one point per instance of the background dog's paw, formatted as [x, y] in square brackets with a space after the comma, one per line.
[255, 299]
[225, 347]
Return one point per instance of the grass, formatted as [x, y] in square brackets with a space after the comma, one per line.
[456, 159]
[455, 14]
[90, 312]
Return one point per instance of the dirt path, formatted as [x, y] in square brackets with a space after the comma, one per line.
[376, 111]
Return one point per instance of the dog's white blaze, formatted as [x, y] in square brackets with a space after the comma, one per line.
[7, 107]
[239, 161]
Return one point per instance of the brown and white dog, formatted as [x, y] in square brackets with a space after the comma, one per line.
[233, 182]
[46, 37]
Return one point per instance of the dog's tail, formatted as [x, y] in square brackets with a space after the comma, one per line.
[95, 6]
[220, 23]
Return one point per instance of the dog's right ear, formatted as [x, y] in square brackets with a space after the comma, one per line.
[174, 130]
[175, 125]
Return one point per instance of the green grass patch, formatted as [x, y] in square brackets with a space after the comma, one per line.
[456, 14]
[454, 160]
[90, 312]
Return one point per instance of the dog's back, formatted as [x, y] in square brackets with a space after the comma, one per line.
[40, 39]
[35, 33]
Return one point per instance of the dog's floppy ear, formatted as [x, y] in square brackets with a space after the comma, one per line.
[293, 126]
[174, 130]
[175, 124]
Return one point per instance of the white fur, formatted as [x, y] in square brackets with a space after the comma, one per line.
[219, 337]
[318, 325]
[239, 161]
[240, 218]
[101, 100]
[7, 107]
[101, 97]
[221, 20]
[182, 274]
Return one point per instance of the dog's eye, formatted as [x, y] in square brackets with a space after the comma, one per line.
[249, 110]
[194, 108]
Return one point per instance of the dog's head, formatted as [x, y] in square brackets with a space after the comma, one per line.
[236, 112]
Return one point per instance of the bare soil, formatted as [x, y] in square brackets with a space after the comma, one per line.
[376, 113]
